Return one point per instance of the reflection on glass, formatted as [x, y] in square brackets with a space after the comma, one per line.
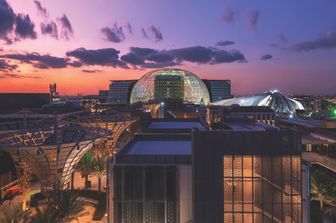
[259, 189]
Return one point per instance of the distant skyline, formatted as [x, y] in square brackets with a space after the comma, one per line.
[82, 45]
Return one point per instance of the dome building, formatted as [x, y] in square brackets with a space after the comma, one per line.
[170, 83]
[274, 99]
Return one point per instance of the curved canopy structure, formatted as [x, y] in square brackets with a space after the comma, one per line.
[274, 99]
[53, 146]
[52, 156]
[170, 83]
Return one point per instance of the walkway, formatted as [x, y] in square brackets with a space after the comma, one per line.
[325, 161]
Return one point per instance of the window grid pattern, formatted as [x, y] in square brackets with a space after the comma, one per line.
[145, 194]
[262, 189]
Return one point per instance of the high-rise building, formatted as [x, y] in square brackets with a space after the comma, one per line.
[218, 89]
[173, 174]
[168, 87]
[119, 91]
[103, 95]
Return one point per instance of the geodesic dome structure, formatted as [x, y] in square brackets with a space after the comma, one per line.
[195, 91]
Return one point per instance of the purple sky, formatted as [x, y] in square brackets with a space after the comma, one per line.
[259, 45]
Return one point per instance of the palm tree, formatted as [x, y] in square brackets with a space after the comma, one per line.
[62, 208]
[317, 191]
[99, 169]
[45, 215]
[85, 167]
[322, 188]
[13, 214]
[70, 207]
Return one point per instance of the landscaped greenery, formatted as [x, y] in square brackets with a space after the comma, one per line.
[13, 214]
[62, 206]
[100, 197]
[85, 167]
[92, 164]
[99, 169]
[323, 194]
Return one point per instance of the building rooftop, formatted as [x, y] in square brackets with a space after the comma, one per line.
[160, 147]
[176, 125]
[303, 122]
[238, 108]
[249, 126]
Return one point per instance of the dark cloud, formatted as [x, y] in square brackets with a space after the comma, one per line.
[66, 27]
[142, 51]
[24, 27]
[327, 41]
[204, 55]
[160, 57]
[129, 28]
[253, 17]
[50, 29]
[103, 57]
[230, 15]
[75, 63]
[144, 33]
[133, 58]
[20, 24]
[40, 9]
[7, 21]
[282, 38]
[223, 56]
[156, 33]
[136, 58]
[2, 76]
[91, 71]
[16, 76]
[197, 54]
[38, 61]
[5, 66]
[150, 58]
[225, 43]
[114, 34]
[266, 57]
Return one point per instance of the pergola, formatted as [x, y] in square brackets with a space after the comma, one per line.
[50, 146]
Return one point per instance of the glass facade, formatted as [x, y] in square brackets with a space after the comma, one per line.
[168, 86]
[195, 91]
[262, 189]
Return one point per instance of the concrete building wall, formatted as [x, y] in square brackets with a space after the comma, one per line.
[185, 193]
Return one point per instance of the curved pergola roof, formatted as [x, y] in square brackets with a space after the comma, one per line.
[48, 153]
[52, 145]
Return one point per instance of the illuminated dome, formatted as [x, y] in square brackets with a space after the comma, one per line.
[274, 99]
[170, 83]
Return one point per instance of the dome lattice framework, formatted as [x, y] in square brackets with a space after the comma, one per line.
[195, 91]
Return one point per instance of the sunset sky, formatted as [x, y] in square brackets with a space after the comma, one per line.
[83, 44]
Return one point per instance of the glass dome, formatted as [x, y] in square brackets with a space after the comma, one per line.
[195, 91]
